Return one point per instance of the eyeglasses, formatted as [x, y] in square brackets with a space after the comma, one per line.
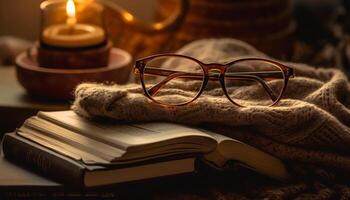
[176, 80]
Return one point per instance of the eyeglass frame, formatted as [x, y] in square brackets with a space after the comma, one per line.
[140, 65]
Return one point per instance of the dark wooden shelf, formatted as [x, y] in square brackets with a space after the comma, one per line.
[16, 105]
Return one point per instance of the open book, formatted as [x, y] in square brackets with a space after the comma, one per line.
[94, 153]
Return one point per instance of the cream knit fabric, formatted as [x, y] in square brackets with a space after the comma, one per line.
[310, 124]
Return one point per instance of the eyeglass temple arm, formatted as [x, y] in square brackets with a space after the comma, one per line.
[232, 75]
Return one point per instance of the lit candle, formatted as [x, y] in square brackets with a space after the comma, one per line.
[73, 34]
[70, 9]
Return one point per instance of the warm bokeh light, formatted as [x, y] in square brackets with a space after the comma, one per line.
[129, 17]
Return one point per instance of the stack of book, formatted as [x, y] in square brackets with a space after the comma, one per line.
[70, 150]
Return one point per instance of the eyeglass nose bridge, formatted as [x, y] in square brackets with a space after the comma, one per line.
[214, 71]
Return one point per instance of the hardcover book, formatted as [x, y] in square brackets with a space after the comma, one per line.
[77, 151]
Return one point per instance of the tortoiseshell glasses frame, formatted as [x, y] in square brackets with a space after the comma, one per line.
[258, 76]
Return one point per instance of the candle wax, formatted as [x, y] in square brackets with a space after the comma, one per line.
[73, 36]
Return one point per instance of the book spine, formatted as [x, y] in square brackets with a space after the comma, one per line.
[43, 161]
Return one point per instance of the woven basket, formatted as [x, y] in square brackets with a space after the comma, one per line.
[266, 24]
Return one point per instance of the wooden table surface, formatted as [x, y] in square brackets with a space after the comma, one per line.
[16, 105]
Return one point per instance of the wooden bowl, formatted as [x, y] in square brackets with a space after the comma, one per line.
[59, 83]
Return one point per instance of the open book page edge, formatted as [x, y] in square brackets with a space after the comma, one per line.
[143, 137]
[49, 116]
[61, 148]
[69, 137]
[84, 157]
[129, 157]
[127, 137]
[254, 159]
[152, 170]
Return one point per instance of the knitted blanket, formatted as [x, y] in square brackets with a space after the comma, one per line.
[309, 127]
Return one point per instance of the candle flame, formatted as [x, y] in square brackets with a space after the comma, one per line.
[70, 8]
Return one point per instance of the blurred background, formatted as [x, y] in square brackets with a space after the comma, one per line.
[311, 31]
[316, 32]
[21, 18]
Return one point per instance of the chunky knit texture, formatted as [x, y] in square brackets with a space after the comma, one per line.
[310, 125]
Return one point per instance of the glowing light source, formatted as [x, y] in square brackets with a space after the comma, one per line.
[128, 16]
[70, 8]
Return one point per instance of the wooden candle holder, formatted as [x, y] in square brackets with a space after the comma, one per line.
[74, 58]
[59, 83]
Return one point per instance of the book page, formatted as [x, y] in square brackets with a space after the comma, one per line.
[48, 129]
[249, 156]
[62, 148]
[146, 171]
[125, 136]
